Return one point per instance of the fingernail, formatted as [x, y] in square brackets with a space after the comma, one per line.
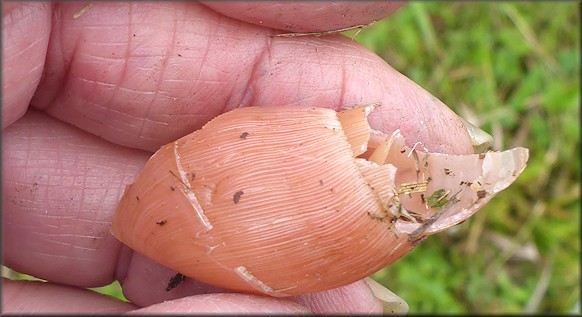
[480, 139]
[392, 304]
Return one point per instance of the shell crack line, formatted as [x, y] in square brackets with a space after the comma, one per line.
[188, 191]
[256, 283]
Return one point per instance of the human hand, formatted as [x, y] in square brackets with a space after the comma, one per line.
[124, 78]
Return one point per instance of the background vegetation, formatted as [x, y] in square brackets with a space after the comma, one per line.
[511, 68]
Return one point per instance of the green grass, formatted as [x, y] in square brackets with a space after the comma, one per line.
[511, 68]
[113, 289]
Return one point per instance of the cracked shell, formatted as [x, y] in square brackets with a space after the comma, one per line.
[291, 200]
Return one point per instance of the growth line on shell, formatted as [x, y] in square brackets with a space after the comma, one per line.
[188, 191]
[256, 283]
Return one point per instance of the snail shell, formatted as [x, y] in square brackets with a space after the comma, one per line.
[292, 200]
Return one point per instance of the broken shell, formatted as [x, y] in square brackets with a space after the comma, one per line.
[291, 200]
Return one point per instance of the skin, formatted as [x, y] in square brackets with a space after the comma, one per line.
[86, 101]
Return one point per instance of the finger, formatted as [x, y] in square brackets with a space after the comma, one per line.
[188, 64]
[226, 303]
[356, 298]
[306, 16]
[60, 189]
[25, 297]
[146, 282]
[26, 28]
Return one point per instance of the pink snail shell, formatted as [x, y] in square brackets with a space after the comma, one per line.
[292, 200]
